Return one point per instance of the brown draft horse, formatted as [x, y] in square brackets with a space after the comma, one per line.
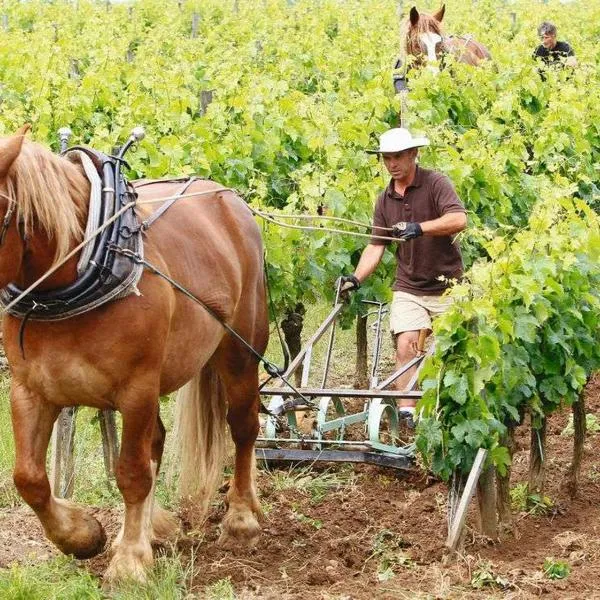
[424, 40]
[125, 354]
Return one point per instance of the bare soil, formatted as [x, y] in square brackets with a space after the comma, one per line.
[382, 536]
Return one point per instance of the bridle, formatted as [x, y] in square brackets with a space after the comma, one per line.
[10, 211]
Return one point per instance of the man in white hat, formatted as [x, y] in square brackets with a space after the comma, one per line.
[424, 212]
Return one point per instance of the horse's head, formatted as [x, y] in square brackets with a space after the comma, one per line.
[424, 39]
[11, 243]
[43, 199]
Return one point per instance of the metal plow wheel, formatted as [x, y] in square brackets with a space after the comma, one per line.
[346, 424]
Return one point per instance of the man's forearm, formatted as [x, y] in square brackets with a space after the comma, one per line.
[368, 261]
[447, 224]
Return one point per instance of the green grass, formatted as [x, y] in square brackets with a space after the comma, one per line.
[64, 579]
[8, 494]
[388, 551]
[485, 576]
[556, 569]
[312, 484]
[60, 578]
[220, 590]
[531, 503]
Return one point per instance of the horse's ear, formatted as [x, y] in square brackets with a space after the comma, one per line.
[414, 16]
[24, 129]
[11, 148]
[439, 15]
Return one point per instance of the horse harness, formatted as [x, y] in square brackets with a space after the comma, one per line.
[107, 275]
[117, 262]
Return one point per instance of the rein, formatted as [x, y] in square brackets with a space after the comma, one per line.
[275, 218]
[271, 369]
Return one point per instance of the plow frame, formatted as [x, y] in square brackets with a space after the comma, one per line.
[330, 413]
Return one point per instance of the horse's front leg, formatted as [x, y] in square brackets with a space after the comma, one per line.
[136, 475]
[164, 524]
[68, 526]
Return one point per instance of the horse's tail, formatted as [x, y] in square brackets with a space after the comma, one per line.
[200, 434]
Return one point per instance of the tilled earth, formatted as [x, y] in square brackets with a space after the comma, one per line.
[362, 533]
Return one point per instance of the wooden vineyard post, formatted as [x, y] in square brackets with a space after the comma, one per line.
[579, 430]
[195, 21]
[62, 460]
[206, 97]
[74, 70]
[110, 441]
[62, 467]
[537, 458]
[130, 54]
[486, 497]
[458, 516]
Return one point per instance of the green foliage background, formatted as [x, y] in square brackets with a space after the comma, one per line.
[300, 89]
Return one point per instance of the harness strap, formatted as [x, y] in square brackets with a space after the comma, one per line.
[164, 207]
[272, 369]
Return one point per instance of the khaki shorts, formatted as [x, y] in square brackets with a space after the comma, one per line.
[411, 313]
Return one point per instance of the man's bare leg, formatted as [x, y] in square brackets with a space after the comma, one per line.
[406, 350]
[409, 344]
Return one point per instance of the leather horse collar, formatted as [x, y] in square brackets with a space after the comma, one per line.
[108, 275]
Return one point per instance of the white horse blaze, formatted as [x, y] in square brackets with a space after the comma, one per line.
[431, 40]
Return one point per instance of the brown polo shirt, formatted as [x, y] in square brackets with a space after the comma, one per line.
[421, 261]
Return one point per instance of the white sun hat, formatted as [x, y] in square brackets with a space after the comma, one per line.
[398, 139]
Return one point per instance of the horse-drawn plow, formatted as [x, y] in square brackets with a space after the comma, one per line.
[338, 424]
[306, 423]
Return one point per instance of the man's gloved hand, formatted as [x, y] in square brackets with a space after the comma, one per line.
[406, 230]
[346, 284]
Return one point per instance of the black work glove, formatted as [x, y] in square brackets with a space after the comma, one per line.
[406, 230]
[346, 284]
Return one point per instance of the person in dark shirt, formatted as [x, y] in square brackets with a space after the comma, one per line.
[421, 209]
[551, 51]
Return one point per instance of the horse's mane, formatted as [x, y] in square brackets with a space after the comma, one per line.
[426, 23]
[51, 193]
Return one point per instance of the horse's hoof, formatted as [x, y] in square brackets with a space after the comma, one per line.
[86, 540]
[129, 564]
[239, 528]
